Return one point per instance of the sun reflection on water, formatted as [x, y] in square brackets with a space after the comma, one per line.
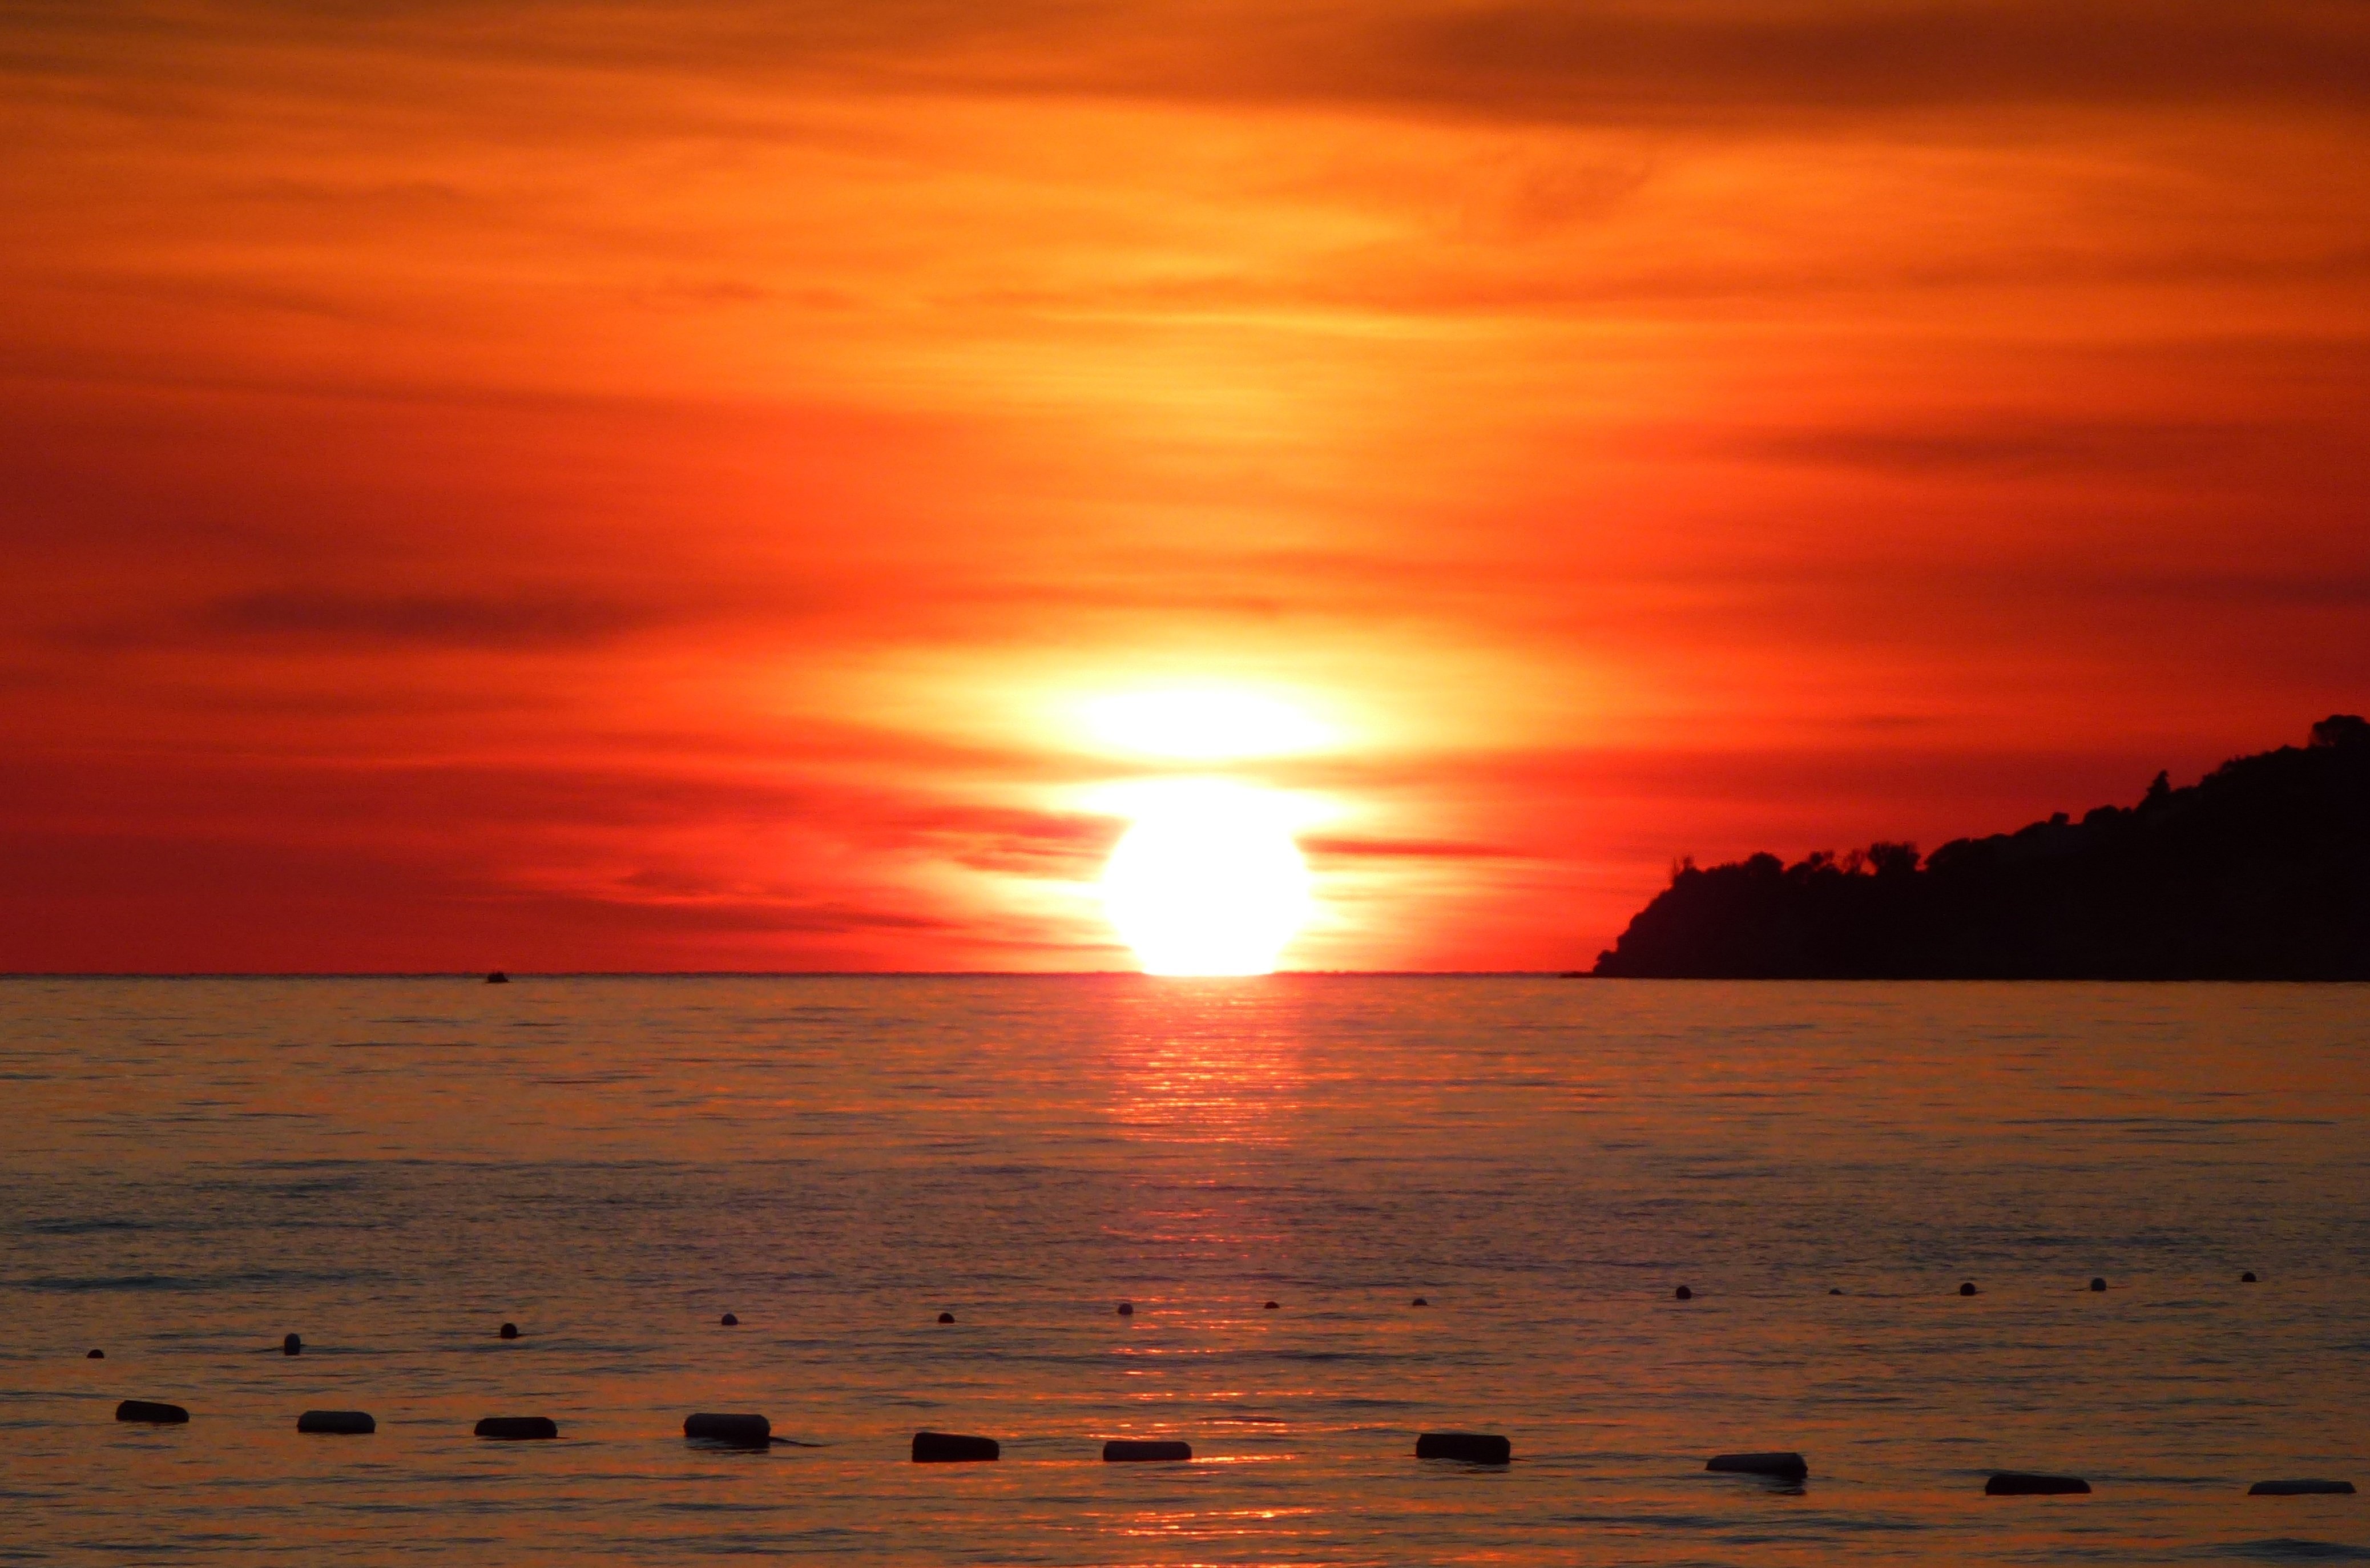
[1210, 1083]
[1204, 1083]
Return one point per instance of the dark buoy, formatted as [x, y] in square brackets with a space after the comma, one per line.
[2301, 1489]
[1833, 1290]
[953, 1448]
[496, 977]
[338, 1423]
[2019, 1484]
[290, 1346]
[2247, 1278]
[1267, 1305]
[152, 1412]
[740, 1430]
[1472, 1447]
[510, 1330]
[1683, 1294]
[2098, 1284]
[1127, 1450]
[1127, 1308]
[1786, 1466]
[96, 1355]
[728, 1321]
[1967, 1287]
[518, 1428]
[945, 1317]
[1418, 1301]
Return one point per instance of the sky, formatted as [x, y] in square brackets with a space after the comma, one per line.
[700, 486]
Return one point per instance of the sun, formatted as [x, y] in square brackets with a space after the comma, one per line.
[1207, 882]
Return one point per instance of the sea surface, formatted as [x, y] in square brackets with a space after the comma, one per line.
[191, 1168]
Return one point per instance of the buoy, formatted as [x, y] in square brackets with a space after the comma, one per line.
[338, 1423]
[1127, 1308]
[1967, 1287]
[151, 1411]
[96, 1355]
[728, 1321]
[2301, 1489]
[1418, 1301]
[1683, 1294]
[1784, 1466]
[952, 1448]
[2098, 1284]
[945, 1317]
[516, 1428]
[1128, 1451]
[740, 1431]
[1833, 1290]
[1472, 1447]
[2019, 1484]
[2247, 1278]
[291, 1345]
[497, 978]
[1267, 1305]
[510, 1330]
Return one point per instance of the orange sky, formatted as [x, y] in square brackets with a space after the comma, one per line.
[639, 486]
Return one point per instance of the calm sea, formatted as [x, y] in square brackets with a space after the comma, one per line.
[191, 1169]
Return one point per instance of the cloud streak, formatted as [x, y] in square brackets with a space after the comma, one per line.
[530, 620]
[1659, 63]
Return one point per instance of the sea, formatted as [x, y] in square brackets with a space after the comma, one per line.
[391, 1168]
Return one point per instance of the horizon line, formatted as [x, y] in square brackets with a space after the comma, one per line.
[479, 975]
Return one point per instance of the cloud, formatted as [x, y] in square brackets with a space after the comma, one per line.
[514, 622]
[2028, 444]
[1007, 840]
[1722, 62]
[1628, 62]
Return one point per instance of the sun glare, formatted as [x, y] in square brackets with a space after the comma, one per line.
[1203, 725]
[1207, 882]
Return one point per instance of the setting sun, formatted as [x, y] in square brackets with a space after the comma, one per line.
[1207, 882]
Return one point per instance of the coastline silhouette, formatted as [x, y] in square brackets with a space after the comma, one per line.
[2261, 870]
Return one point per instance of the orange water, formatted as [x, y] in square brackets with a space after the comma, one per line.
[192, 1169]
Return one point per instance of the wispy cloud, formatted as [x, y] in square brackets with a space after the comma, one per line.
[1654, 61]
[528, 620]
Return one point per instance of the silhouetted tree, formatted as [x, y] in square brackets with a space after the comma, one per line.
[2342, 730]
[1892, 859]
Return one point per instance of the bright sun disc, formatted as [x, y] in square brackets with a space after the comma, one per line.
[1208, 882]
